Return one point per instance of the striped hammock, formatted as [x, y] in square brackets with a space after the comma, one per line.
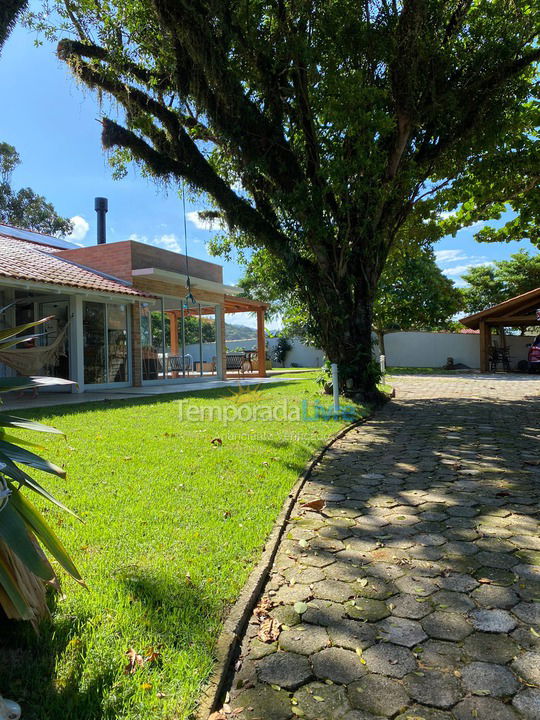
[31, 361]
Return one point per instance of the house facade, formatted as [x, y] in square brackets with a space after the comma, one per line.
[119, 314]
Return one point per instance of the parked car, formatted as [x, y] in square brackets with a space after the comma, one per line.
[533, 358]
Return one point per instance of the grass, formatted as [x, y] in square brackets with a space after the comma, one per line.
[175, 515]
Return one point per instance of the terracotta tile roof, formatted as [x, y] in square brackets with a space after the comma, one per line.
[23, 260]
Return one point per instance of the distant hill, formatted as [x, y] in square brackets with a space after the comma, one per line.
[239, 332]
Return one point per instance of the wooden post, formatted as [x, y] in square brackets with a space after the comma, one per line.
[261, 344]
[484, 344]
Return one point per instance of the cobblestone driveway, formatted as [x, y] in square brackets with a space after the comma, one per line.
[416, 592]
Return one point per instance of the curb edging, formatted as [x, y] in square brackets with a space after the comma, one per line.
[238, 617]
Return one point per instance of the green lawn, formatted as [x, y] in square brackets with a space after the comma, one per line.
[173, 524]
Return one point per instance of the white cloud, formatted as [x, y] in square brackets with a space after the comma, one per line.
[80, 229]
[168, 241]
[449, 256]
[203, 223]
[461, 269]
[446, 214]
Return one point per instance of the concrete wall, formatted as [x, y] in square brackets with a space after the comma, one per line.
[423, 349]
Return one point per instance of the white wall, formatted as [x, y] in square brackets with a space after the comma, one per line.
[424, 349]
[300, 354]
[403, 349]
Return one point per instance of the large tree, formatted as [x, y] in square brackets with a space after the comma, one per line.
[24, 208]
[339, 120]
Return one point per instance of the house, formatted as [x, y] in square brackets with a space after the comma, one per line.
[119, 313]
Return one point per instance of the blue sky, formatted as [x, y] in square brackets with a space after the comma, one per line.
[52, 121]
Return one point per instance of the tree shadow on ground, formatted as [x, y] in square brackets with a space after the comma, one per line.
[47, 674]
[426, 489]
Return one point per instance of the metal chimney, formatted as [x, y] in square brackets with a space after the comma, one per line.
[101, 205]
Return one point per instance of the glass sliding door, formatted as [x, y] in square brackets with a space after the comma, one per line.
[94, 323]
[177, 341]
[153, 338]
[117, 349]
[105, 343]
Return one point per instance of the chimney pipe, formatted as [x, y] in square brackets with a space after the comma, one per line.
[101, 205]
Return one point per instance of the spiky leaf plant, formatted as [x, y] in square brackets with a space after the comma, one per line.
[24, 533]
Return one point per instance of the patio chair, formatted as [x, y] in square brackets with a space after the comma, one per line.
[499, 356]
[235, 361]
[179, 364]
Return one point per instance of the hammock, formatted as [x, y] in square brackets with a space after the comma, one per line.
[30, 361]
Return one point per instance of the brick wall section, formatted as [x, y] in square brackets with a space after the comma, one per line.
[114, 259]
[120, 258]
[136, 357]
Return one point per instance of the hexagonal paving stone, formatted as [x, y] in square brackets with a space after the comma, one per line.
[495, 596]
[481, 678]
[286, 615]
[408, 606]
[385, 571]
[528, 612]
[458, 583]
[527, 666]
[433, 687]
[504, 561]
[373, 587]
[415, 585]
[318, 700]
[304, 575]
[264, 702]
[292, 593]
[304, 639]
[446, 626]
[339, 665]
[352, 634]
[429, 539]
[439, 654]
[401, 631]
[344, 571]
[490, 647]
[323, 612]
[285, 669]
[367, 609]
[526, 541]
[528, 572]
[496, 621]
[426, 713]
[527, 703]
[259, 649]
[333, 590]
[495, 576]
[378, 695]
[483, 708]
[451, 601]
[389, 659]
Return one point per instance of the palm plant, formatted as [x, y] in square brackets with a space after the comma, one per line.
[24, 568]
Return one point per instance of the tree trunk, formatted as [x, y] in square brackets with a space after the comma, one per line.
[343, 316]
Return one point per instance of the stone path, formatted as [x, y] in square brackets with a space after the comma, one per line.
[415, 594]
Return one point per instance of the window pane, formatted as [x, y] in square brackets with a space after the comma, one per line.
[94, 343]
[152, 340]
[117, 343]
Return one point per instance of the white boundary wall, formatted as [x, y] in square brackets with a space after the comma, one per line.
[300, 354]
[425, 349]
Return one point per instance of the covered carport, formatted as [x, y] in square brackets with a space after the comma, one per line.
[522, 311]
